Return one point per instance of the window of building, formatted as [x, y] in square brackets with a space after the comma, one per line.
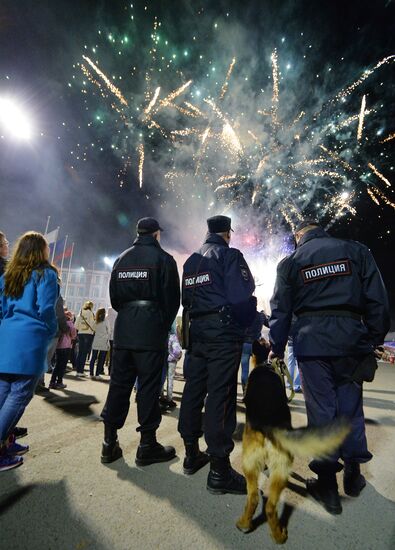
[96, 292]
[70, 291]
[80, 291]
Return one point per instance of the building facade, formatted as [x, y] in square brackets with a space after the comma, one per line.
[80, 285]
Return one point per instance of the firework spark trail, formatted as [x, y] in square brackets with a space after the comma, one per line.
[324, 173]
[384, 197]
[388, 138]
[231, 139]
[226, 81]
[274, 59]
[300, 115]
[379, 174]
[141, 163]
[310, 162]
[373, 196]
[174, 94]
[349, 89]
[361, 118]
[193, 108]
[153, 101]
[107, 81]
[337, 158]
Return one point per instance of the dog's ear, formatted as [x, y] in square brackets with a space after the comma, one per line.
[261, 352]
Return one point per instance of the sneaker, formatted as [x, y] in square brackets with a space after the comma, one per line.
[19, 432]
[8, 462]
[172, 404]
[52, 386]
[16, 449]
[60, 386]
[98, 377]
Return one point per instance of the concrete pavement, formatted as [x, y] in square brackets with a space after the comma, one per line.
[64, 498]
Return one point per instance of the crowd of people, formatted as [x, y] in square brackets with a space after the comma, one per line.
[329, 306]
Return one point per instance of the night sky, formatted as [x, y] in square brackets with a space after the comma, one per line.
[81, 166]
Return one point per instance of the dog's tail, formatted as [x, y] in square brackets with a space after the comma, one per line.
[313, 442]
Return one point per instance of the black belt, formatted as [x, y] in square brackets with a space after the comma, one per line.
[141, 303]
[331, 313]
[205, 314]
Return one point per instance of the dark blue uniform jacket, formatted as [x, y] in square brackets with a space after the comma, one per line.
[217, 278]
[328, 276]
[144, 272]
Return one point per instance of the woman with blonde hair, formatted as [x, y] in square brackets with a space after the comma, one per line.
[101, 343]
[29, 290]
[84, 324]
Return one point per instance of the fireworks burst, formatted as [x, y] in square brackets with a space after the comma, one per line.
[284, 163]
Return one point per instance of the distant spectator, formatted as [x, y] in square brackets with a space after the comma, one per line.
[101, 343]
[175, 354]
[29, 290]
[85, 325]
[63, 352]
[111, 316]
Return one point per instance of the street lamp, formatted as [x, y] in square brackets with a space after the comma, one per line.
[14, 120]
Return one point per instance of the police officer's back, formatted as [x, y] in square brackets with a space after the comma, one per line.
[144, 290]
[217, 289]
[334, 289]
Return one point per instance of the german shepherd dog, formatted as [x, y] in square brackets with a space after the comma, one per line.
[270, 440]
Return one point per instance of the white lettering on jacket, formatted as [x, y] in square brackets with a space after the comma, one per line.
[325, 271]
[198, 280]
[135, 274]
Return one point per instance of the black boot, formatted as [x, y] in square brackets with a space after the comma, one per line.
[110, 450]
[222, 478]
[353, 480]
[150, 451]
[194, 459]
[324, 490]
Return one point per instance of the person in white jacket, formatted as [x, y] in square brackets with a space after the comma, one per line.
[101, 343]
[111, 316]
[85, 326]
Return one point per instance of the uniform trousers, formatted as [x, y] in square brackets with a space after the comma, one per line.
[212, 372]
[126, 366]
[327, 397]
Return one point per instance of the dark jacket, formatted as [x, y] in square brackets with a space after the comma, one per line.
[328, 284]
[144, 272]
[254, 331]
[218, 281]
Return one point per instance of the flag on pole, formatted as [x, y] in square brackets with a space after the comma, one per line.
[52, 236]
[58, 255]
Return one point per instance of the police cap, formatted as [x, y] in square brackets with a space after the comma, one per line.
[306, 223]
[148, 225]
[219, 224]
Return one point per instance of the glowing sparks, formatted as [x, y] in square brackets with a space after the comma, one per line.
[153, 101]
[275, 96]
[361, 118]
[174, 94]
[113, 89]
[226, 82]
[373, 196]
[230, 138]
[349, 89]
[141, 164]
[379, 174]
[388, 138]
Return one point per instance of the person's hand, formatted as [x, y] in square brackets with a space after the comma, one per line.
[379, 352]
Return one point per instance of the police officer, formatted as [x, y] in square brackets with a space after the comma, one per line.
[145, 291]
[217, 291]
[335, 290]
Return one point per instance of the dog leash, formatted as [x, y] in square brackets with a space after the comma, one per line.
[281, 369]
